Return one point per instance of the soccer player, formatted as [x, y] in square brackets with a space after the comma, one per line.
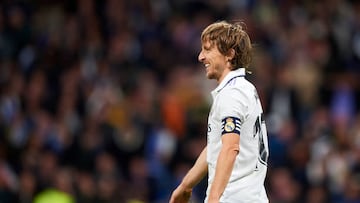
[235, 157]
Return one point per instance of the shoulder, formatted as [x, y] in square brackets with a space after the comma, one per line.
[238, 88]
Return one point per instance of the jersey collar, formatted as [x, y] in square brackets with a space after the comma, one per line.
[240, 72]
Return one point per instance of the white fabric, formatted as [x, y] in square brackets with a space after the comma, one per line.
[237, 97]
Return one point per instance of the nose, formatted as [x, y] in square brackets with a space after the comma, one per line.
[201, 56]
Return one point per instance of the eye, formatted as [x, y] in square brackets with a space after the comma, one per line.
[209, 47]
[206, 48]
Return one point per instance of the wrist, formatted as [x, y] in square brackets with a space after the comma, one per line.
[184, 187]
[213, 198]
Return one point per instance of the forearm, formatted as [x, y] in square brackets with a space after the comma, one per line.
[196, 173]
[224, 167]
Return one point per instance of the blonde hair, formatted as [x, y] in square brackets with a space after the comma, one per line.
[227, 36]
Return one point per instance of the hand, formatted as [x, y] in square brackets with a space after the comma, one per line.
[180, 195]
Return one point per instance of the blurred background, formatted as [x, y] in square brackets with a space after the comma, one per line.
[103, 101]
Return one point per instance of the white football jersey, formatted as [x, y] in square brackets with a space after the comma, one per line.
[236, 108]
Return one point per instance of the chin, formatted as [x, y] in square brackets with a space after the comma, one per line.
[210, 76]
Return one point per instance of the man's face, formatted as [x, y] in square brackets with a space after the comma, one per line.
[215, 63]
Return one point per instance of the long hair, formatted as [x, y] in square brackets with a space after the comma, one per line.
[227, 36]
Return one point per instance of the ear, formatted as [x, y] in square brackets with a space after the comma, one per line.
[230, 55]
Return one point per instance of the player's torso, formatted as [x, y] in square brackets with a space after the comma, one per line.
[248, 142]
[248, 162]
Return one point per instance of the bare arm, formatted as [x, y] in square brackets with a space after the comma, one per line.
[225, 164]
[183, 192]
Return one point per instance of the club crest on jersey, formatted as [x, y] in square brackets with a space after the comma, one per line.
[231, 125]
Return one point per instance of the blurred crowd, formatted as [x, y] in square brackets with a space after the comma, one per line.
[104, 101]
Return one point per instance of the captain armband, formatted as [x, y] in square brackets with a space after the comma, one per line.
[230, 125]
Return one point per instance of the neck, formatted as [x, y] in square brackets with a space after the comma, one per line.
[225, 72]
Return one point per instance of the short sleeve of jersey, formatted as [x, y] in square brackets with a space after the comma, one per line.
[233, 103]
